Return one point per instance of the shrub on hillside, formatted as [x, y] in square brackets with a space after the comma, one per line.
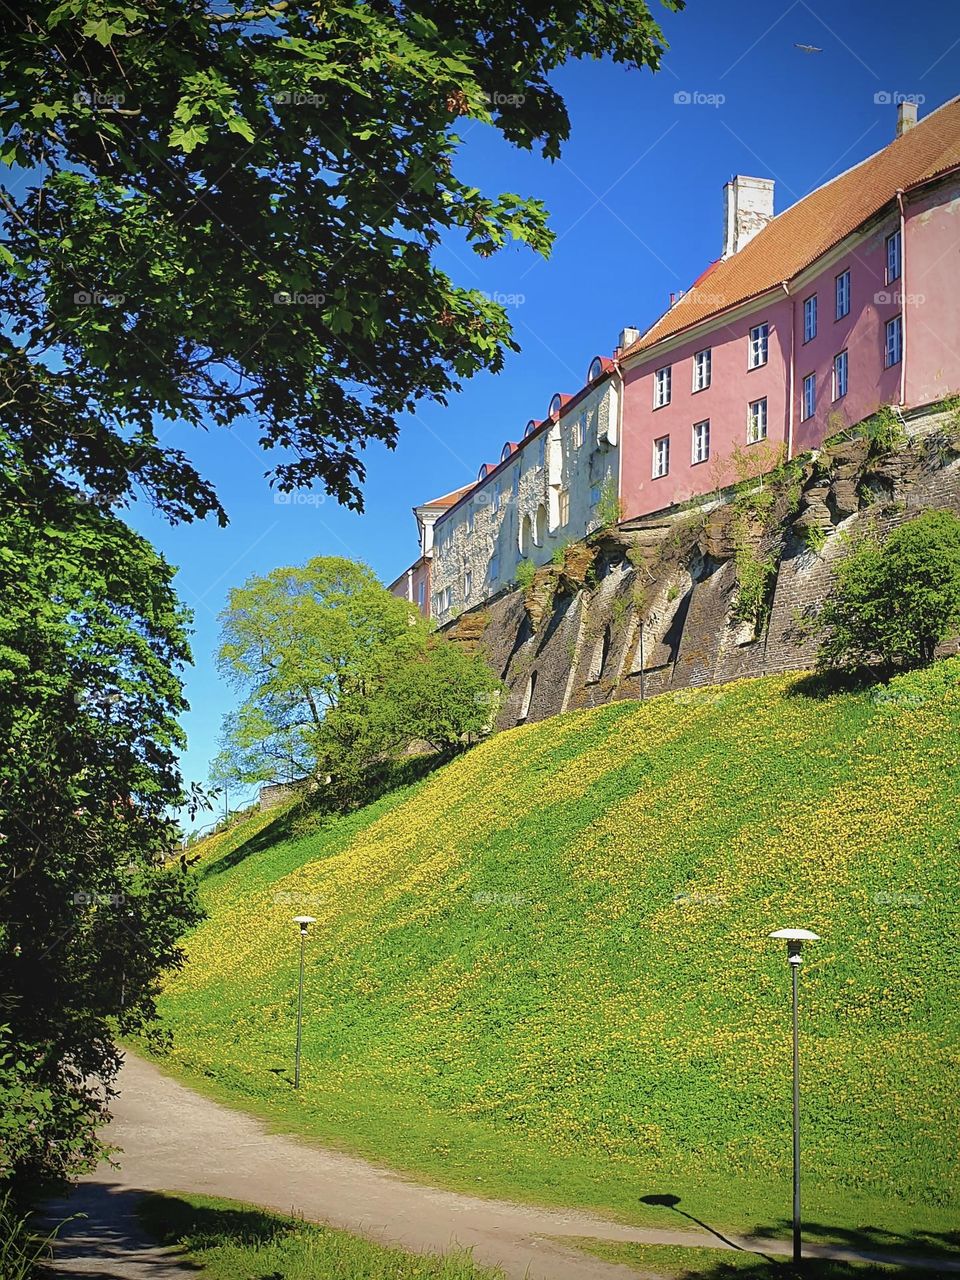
[894, 601]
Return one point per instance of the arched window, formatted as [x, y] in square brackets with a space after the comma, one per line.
[526, 535]
[530, 428]
[596, 368]
[556, 404]
[482, 473]
[506, 451]
[540, 525]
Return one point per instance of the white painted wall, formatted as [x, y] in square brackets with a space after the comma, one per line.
[480, 540]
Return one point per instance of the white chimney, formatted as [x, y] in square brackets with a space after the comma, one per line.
[627, 338]
[747, 208]
[906, 117]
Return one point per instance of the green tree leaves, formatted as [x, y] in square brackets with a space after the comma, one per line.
[895, 601]
[337, 674]
[184, 166]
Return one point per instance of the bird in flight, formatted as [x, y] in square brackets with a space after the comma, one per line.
[808, 48]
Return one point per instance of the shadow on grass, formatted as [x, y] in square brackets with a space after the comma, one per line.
[172, 1221]
[825, 684]
[672, 1202]
[314, 811]
[870, 1239]
[880, 1252]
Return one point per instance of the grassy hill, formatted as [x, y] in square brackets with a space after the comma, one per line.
[544, 971]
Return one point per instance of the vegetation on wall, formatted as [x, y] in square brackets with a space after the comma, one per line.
[895, 600]
[544, 970]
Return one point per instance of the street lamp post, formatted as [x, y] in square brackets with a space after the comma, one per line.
[304, 922]
[795, 938]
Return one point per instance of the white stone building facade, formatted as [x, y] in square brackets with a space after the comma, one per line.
[556, 485]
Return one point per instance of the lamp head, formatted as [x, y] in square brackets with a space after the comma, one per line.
[795, 938]
[304, 922]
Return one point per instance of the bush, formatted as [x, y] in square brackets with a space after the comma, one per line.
[895, 601]
[525, 574]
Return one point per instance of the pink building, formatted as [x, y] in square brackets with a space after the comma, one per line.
[414, 583]
[808, 322]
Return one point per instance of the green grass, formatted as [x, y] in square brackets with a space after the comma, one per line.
[232, 1241]
[543, 971]
[732, 1264]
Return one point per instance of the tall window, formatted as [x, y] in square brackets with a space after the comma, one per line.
[842, 284]
[564, 506]
[893, 344]
[757, 421]
[701, 441]
[759, 343]
[809, 400]
[702, 361]
[839, 375]
[421, 594]
[661, 457]
[578, 433]
[467, 583]
[496, 495]
[810, 318]
[894, 257]
[661, 387]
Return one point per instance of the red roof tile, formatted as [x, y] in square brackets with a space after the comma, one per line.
[799, 235]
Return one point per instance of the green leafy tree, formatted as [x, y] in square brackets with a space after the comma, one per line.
[442, 696]
[339, 674]
[895, 601]
[306, 645]
[230, 213]
[91, 903]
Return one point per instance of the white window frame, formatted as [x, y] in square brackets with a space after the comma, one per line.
[662, 386]
[421, 594]
[757, 420]
[893, 350]
[758, 351]
[893, 256]
[810, 318]
[700, 444]
[808, 397]
[841, 374]
[661, 457]
[563, 506]
[841, 294]
[578, 433]
[702, 369]
[467, 584]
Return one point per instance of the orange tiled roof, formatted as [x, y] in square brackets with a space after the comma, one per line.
[450, 499]
[799, 235]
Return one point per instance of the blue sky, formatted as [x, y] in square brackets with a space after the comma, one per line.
[635, 202]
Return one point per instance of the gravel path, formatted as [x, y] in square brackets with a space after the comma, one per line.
[174, 1139]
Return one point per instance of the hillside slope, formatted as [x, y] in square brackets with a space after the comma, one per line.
[545, 968]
